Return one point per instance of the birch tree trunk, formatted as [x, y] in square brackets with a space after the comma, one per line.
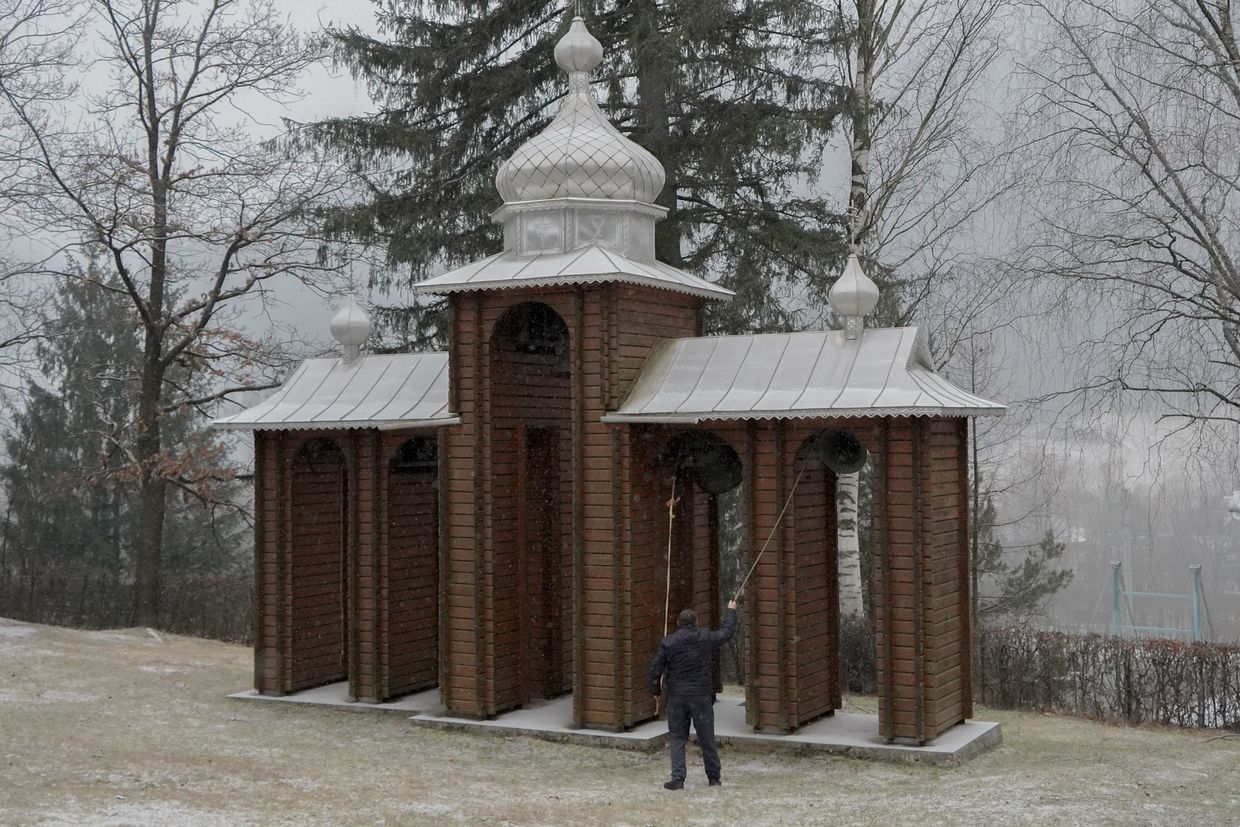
[847, 486]
[847, 489]
[916, 171]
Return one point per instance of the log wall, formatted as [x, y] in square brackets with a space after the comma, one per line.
[269, 620]
[814, 607]
[536, 556]
[408, 631]
[791, 603]
[645, 544]
[610, 330]
[343, 572]
[921, 583]
[318, 566]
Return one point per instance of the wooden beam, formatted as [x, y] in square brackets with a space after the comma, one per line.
[283, 569]
[921, 511]
[482, 420]
[523, 567]
[882, 583]
[753, 712]
[619, 590]
[348, 482]
[580, 682]
[444, 460]
[781, 586]
[962, 567]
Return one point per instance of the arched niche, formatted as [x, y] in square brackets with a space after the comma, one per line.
[319, 565]
[814, 650]
[707, 472]
[531, 478]
[410, 582]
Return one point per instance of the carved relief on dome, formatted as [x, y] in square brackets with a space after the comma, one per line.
[544, 232]
[597, 227]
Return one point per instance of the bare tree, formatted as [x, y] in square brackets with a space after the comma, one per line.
[153, 171]
[1134, 117]
[36, 42]
[919, 168]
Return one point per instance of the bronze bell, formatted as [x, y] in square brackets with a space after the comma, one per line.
[841, 451]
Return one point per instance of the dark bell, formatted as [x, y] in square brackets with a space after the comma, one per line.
[841, 451]
[716, 468]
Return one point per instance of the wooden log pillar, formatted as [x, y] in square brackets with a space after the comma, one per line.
[792, 606]
[364, 661]
[920, 583]
[269, 618]
[766, 609]
[813, 593]
[603, 630]
[465, 663]
[642, 561]
[408, 565]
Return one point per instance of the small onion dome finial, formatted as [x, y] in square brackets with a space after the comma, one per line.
[853, 296]
[351, 327]
[578, 50]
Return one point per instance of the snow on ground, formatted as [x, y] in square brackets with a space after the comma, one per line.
[120, 728]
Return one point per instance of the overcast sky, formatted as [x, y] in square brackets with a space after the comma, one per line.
[328, 92]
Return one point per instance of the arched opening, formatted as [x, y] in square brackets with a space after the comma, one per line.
[703, 570]
[531, 397]
[319, 565]
[411, 589]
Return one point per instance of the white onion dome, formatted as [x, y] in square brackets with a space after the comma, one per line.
[853, 294]
[578, 50]
[351, 328]
[580, 154]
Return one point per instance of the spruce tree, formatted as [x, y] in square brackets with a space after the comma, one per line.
[72, 482]
[49, 540]
[1020, 588]
[729, 96]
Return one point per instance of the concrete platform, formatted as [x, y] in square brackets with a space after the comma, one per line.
[856, 735]
[844, 733]
[550, 721]
[336, 696]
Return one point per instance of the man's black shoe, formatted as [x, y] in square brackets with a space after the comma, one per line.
[715, 782]
[673, 785]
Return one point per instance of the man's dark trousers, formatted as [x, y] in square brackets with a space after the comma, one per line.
[702, 712]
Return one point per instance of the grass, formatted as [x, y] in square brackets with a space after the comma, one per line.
[123, 728]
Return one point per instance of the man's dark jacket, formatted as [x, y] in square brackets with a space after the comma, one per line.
[685, 656]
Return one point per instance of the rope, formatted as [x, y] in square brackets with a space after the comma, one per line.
[667, 594]
[778, 520]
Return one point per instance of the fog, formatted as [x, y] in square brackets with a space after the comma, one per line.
[1112, 475]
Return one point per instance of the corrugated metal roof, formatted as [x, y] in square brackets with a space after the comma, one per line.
[886, 372]
[590, 264]
[406, 390]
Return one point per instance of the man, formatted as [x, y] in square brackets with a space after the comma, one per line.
[685, 657]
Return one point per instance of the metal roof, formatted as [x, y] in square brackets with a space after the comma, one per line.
[399, 390]
[590, 264]
[886, 372]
